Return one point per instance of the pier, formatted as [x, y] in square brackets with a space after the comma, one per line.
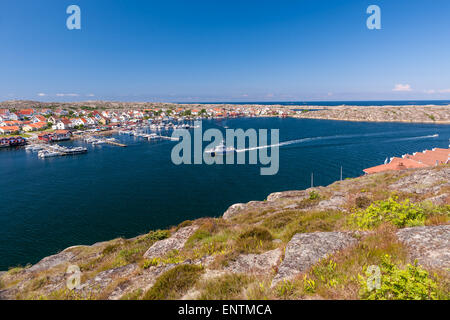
[115, 143]
[97, 141]
[169, 138]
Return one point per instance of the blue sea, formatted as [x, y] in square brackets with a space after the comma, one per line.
[50, 204]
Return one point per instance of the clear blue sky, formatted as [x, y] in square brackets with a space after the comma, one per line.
[219, 50]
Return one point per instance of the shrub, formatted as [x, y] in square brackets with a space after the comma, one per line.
[158, 235]
[403, 214]
[174, 283]
[186, 223]
[410, 283]
[313, 195]
[362, 202]
[257, 233]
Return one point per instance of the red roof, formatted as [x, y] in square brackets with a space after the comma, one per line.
[418, 160]
[26, 112]
[10, 128]
[38, 125]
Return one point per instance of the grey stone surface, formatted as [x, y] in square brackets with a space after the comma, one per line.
[441, 199]
[105, 278]
[306, 249]
[255, 263]
[430, 245]
[423, 181]
[144, 280]
[233, 210]
[334, 203]
[52, 261]
[175, 242]
[297, 194]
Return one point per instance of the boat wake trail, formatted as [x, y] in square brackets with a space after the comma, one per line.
[416, 138]
[296, 141]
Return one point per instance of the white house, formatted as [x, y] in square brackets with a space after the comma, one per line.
[63, 124]
[77, 122]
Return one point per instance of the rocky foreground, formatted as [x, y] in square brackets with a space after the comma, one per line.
[417, 114]
[310, 244]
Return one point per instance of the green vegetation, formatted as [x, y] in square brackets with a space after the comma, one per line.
[128, 256]
[227, 287]
[171, 257]
[184, 224]
[39, 283]
[409, 283]
[287, 223]
[337, 276]
[174, 283]
[16, 270]
[134, 295]
[362, 202]
[430, 116]
[254, 240]
[157, 235]
[401, 214]
[314, 195]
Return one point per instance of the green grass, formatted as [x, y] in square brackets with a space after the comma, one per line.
[254, 240]
[39, 283]
[227, 287]
[311, 221]
[134, 295]
[174, 283]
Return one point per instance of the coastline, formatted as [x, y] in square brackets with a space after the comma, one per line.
[402, 114]
[116, 279]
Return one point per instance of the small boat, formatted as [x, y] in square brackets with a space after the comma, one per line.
[219, 150]
[34, 148]
[48, 154]
[98, 142]
[75, 150]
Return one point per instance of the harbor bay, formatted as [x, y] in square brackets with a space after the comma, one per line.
[49, 204]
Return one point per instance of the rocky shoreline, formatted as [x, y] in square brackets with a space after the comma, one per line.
[409, 114]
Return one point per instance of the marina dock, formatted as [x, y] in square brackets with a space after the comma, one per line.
[115, 143]
[98, 141]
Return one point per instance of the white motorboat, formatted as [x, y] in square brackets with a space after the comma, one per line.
[48, 154]
[219, 150]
